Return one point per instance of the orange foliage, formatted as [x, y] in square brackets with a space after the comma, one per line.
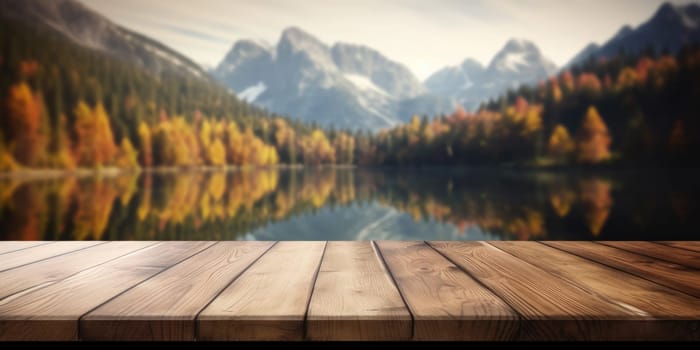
[593, 140]
[28, 68]
[24, 124]
[567, 80]
[597, 202]
[588, 82]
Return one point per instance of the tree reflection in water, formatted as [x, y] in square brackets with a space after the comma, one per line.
[218, 205]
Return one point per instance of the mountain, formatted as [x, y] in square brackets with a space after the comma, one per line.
[669, 29]
[518, 62]
[90, 29]
[344, 85]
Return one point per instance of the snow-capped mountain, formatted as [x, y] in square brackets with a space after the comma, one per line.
[88, 28]
[347, 86]
[519, 62]
[670, 28]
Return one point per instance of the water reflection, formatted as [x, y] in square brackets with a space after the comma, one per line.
[348, 204]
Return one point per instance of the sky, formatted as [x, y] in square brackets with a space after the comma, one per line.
[425, 35]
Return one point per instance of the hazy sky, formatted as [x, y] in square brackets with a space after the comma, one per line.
[426, 35]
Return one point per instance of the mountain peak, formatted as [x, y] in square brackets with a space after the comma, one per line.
[82, 25]
[520, 54]
[666, 9]
[242, 52]
[470, 64]
[669, 29]
[623, 32]
[299, 47]
[517, 44]
[686, 15]
[391, 76]
[298, 35]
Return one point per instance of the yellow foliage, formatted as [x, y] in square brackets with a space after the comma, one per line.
[627, 77]
[216, 153]
[593, 141]
[127, 156]
[597, 202]
[146, 151]
[560, 144]
[7, 161]
[94, 144]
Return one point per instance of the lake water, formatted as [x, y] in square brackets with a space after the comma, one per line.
[353, 204]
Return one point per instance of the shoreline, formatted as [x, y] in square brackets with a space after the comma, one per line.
[47, 173]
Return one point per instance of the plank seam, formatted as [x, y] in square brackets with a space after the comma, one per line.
[621, 269]
[313, 288]
[32, 246]
[75, 273]
[577, 284]
[521, 317]
[665, 244]
[378, 252]
[216, 295]
[80, 319]
[671, 248]
[53, 256]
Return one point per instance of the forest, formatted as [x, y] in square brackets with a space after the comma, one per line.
[68, 107]
[628, 110]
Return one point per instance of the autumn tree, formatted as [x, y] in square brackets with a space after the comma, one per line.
[94, 141]
[127, 156]
[627, 78]
[592, 139]
[560, 145]
[145, 145]
[344, 146]
[22, 126]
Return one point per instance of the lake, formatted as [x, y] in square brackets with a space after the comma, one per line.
[353, 204]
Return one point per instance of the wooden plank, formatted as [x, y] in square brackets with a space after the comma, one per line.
[354, 297]
[665, 314]
[41, 252]
[52, 313]
[11, 246]
[269, 300]
[446, 303]
[688, 245]
[669, 274]
[43, 273]
[552, 308]
[165, 306]
[660, 251]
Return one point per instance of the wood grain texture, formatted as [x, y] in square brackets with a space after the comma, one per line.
[551, 307]
[688, 245]
[269, 300]
[165, 307]
[669, 274]
[446, 303]
[11, 246]
[343, 290]
[660, 251]
[46, 272]
[52, 313]
[40, 252]
[354, 297]
[663, 313]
